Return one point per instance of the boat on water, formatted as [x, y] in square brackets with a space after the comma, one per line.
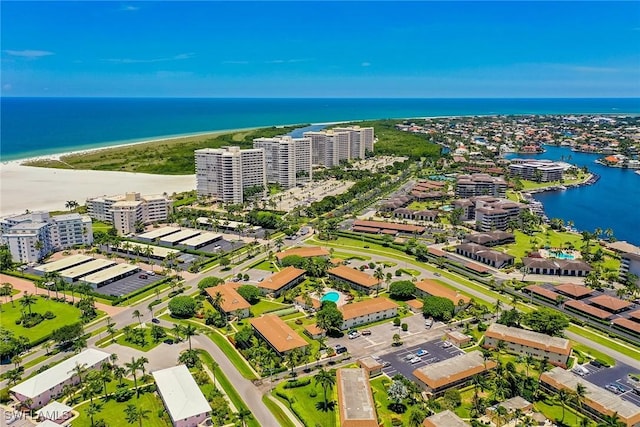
[637, 172]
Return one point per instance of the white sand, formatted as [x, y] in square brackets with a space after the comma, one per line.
[25, 187]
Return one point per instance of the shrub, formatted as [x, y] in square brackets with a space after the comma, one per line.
[182, 306]
[297, 383]
[405, 327]
[313, 393]
[31, 320]
[49, 315]
[396, 321]
[403, 289]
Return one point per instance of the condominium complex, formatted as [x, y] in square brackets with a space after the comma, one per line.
[287, 160]
[480, 184]
[226, 173]
[332, 146]
[489, 213]
[32, 236]
[126, 211]
[536, 170]
[629, 263]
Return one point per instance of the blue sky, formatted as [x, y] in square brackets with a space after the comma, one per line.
[334, 49]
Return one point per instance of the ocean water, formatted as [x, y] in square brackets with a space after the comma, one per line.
[37, 126]
[612, 202]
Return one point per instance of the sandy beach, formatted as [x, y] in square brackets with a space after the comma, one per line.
[25, 187]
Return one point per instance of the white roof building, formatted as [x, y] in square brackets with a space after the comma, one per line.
[180, 393]
[63, 371]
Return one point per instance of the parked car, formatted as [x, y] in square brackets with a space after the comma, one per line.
[408, 357]
[353, 334]
[580, 370]
[446, 344]
[340, 349]
[155, 320]
[596, 363]
[437, 274]
[415, 360]
[143, 276]
[421, 352]
[613, 388]
[428, 323]
[366, 332]
[385, 364]
[150, 273]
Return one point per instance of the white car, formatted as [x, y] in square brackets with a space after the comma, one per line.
[354, 334]
[415, 360]
[446, 344]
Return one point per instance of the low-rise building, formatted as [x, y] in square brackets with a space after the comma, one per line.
[367, 311]
[438, 377]
[493, 258]
[47, 385]
[281, 281]
[610, 303]
[371, 365]
[185, 403]
[304, 252]
[429, 287]
[557, 267]
[230, 302]
[512, 405]
[355, 400]
[597, 401]
[444, 419]
[524, 342]
[573, 290]
[355, 278]
[386, 227]
[491, 238]
[458, 338]
[275, 332]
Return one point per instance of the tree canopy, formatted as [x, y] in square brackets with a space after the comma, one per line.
[67, 333]
[329, 317]
[438, 307]
[250, 293]
[182, 306]
[209, 282]
[546, 321]
[402, 289]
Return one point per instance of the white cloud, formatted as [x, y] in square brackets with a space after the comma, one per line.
[29, 53]
[129, 8]
[179, 57]
[366, 64]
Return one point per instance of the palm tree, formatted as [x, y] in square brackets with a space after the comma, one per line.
[189, 331]
[119, 373]
[378, 275]
[105, 377]
[7, 290]
[579, 394]
[528, 361]
[13, 376]
[611, 421]
[132, 368]
[562, 397]
[327, 381]
[79, 370]
[134, 414]
[242, 416]
[497, 307]
[177, 330]
[27, 301]
[92, 410]
[136, 313]
[141, 362]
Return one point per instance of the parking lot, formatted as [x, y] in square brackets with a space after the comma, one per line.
[617, 375]
[399, 360]
[129, 284]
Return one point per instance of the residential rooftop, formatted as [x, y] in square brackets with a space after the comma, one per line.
[452, 370]
[231, 299]
[444, 419]
[180, 392]
[436, 289]
[354, 276]
[304, 252]
[529, 338]
[355, 400]
[280, 335]
[367, 306]
[282, 278]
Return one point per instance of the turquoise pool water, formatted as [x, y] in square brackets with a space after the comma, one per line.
[561, 255]
[330, 296]
[447, 208]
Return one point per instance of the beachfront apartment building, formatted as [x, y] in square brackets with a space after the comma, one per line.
[287, 160]
[226, 173]
[629, 263]
[125, 211]
[537, 170]
[32, 236]
[330, 147]
[524, 342]
[480, 184]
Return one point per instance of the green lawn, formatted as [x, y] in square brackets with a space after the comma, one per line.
[233, 355]
[100, 226]
[277, 412]
[606, 341]
[265, 265]
[266, 305]
[553, 411]
[303, 404]
[150, 343]
[385, 415]
[113, 412]
[66, 314]
[348, 256]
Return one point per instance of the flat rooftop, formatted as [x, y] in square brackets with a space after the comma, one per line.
[158, 251]
[174, 238]
[201, 239]
[181, 395]
[158, 232]
[86, 268]
[305, 252]
[444, 419]
[357, 408]
[63, 263]
[110, 273]
[596, 397]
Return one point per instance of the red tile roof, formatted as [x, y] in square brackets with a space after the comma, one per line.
[354, 276]
[610, 303]
[281, 279]
[589, 309]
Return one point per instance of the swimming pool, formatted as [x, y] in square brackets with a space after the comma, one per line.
[330, 296]
[562, 255]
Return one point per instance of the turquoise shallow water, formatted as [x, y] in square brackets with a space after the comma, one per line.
[36, 126]
[330, 296]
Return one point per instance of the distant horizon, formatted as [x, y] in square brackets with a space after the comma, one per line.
[324, 97]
